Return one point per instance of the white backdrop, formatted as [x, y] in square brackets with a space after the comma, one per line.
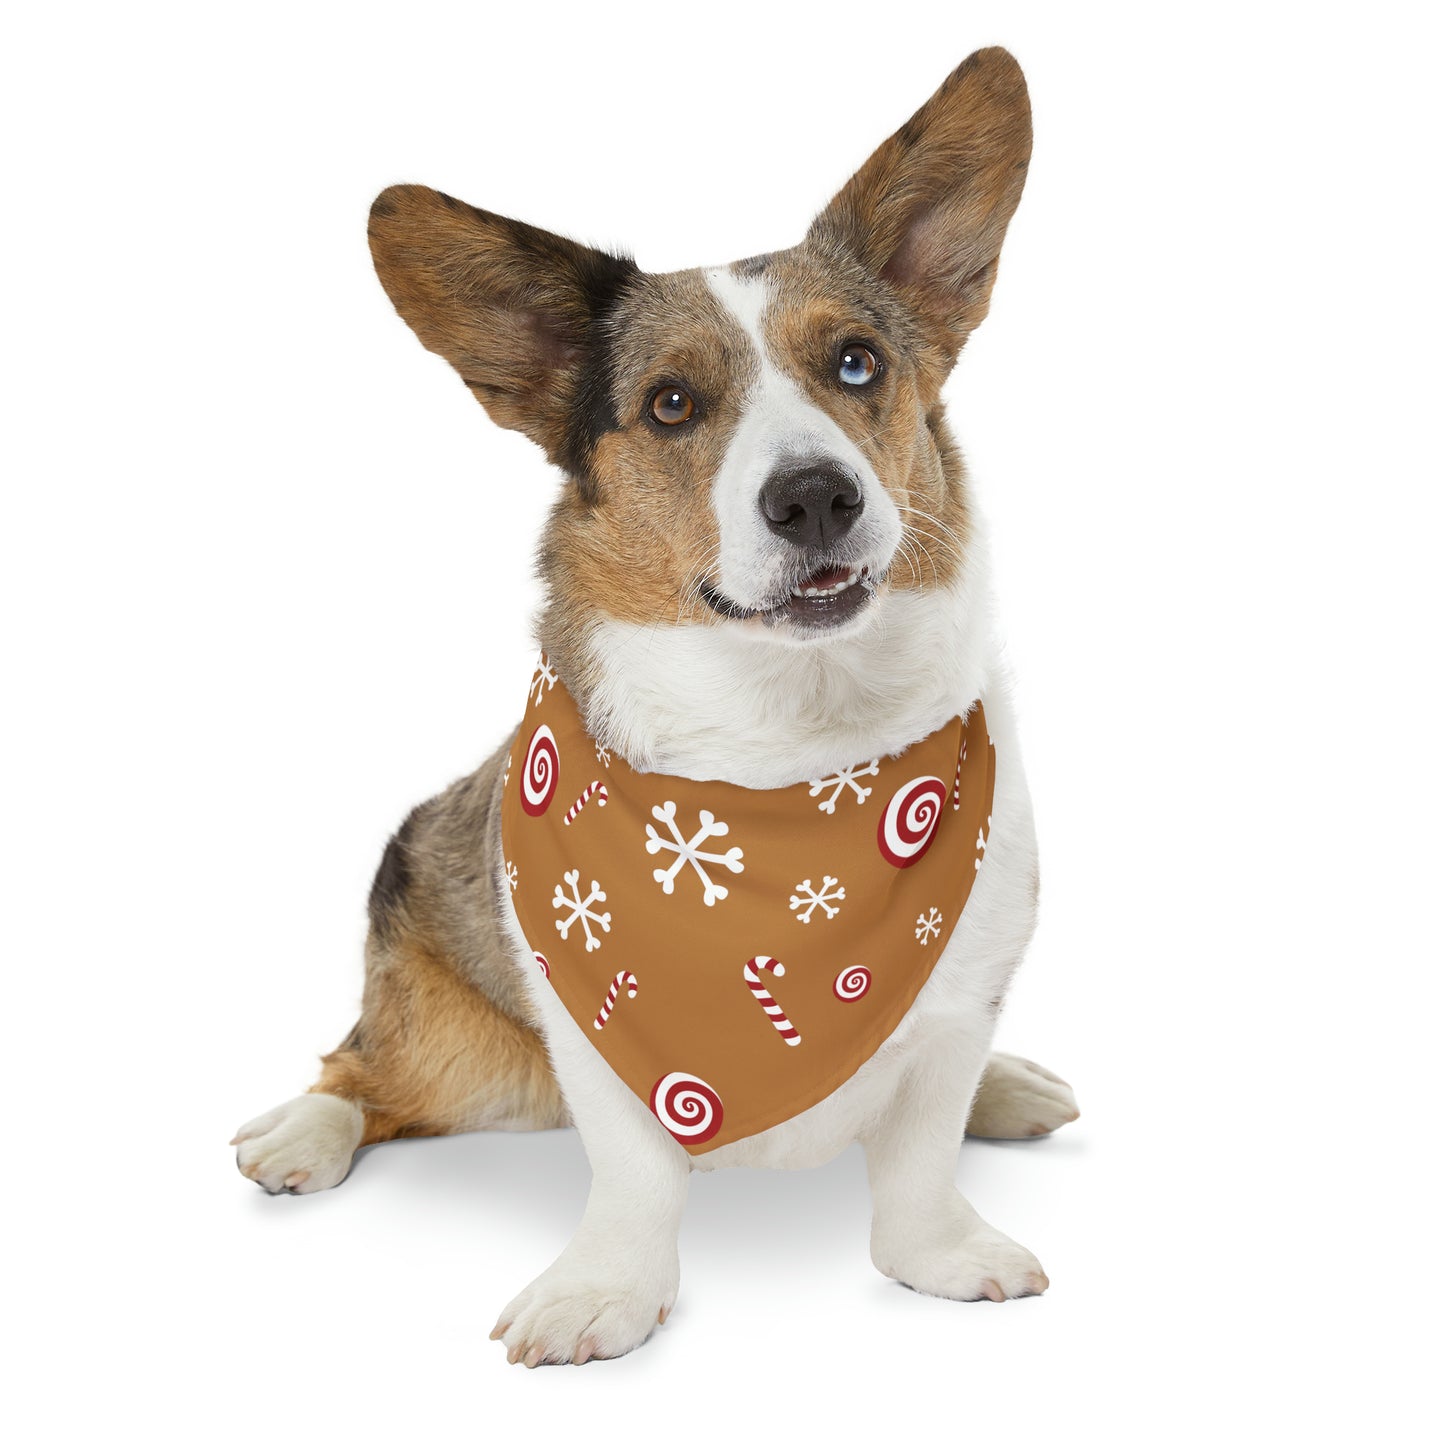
[265, 580]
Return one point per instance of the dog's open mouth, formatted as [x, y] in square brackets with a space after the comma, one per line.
[823, 599]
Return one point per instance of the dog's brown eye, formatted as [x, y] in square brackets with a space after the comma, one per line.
[671, 405]
[857, 366]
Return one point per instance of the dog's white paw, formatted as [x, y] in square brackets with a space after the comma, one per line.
[584, 1310]
[978, 1264]
[301, 1146]
[1020, 1100]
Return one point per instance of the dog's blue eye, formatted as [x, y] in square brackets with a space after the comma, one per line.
[857, 366]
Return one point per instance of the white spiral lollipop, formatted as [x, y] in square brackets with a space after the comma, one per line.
[539, 772]
[910, 820]
[852, 983]
[688, 1107]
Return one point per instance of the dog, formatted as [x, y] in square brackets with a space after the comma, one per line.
[764, 581]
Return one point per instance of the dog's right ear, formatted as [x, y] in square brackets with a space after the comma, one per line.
[515, 309]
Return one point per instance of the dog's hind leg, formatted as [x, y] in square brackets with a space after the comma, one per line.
[1017, 1099]
[431, 1054]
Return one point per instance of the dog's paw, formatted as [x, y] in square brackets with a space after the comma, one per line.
[574, 1313]
[1020, 1100]
[301, 1146]
[981, 1264]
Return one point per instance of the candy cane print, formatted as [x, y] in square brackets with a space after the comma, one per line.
[594, 789]
[958, 776]
[605, 1012]
[776, 1016]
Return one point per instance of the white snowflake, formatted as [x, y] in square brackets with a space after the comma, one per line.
[981, 845]
[688, 851]
[816, 898]
[843, 778]
[512, 874]
[581, 908]
[544, 679]
[603, 756]
[928, 927]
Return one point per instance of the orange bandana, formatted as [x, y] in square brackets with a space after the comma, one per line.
[736, 954]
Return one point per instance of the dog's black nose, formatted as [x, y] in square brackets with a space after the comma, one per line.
[811, 503]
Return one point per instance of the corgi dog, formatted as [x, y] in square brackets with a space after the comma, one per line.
[762, 567]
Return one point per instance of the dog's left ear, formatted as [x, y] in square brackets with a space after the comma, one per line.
[928, 211]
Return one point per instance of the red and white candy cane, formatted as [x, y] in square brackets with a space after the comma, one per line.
[595, 789]
[605, 1012]
[958, 776]
[776, 1016]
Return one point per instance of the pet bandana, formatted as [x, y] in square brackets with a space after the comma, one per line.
[736, 954]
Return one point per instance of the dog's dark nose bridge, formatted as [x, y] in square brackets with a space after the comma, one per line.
[812, 502]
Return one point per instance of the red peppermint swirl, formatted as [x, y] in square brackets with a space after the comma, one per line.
[539, 772]
[909, 822]
[689, 1108]
[852, 983]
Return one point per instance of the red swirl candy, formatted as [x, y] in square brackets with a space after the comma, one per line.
[909, 822]
[539, 772]
[689, 1108]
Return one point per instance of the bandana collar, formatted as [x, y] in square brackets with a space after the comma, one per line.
[736, 954]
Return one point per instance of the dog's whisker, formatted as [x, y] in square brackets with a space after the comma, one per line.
[947, 531]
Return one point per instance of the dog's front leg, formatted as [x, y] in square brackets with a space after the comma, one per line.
[617, 1279]
[925, 1233]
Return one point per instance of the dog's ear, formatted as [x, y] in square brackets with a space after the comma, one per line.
[928, 211]
[516, 310]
